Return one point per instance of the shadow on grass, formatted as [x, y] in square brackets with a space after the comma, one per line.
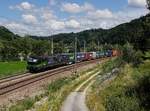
[143, 92]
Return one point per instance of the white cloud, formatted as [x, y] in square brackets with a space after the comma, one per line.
[72, 24]
[17, 28]
[122, 16]
[87, 7]
[98, 14]
[26, 5]
[71, 8]
[29, 19]
[42, 21]
[137, 3]
[75, 8]
[47, 15]
[23, 6]
[14, 25]
[55, 25]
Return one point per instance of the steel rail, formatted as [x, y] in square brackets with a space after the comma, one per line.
[6, 88]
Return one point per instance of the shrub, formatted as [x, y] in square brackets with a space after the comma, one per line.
[143, 92]
[23, 105]
[131, 56]
[121, 103]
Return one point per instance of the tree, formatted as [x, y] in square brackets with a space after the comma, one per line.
[1, 47]
[148, 4]
[131, 56]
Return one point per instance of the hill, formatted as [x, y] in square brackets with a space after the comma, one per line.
[6, 34]
[136, 32]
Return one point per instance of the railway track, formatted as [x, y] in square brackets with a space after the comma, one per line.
[18, 76]
[14, 77]
[15, 82]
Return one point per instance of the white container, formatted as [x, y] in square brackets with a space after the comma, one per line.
[93, 55]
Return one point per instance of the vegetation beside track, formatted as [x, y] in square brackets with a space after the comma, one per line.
[128, 92]
[12, 68]
[52, 89]
[56, 98]
[56, 93]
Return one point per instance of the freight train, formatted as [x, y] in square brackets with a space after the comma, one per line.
[42, 63]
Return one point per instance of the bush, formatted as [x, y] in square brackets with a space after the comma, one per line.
[22, 105]
[122, 103]
[131, 56]
[143, 92]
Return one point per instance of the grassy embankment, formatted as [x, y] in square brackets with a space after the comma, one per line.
[11, 68]
[130, 91]
[56, 93]
[106, 67]
[56, 97]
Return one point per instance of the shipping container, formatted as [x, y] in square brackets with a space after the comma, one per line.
[93, 55]
[80, 56]
[108, 53]
[115, 52]
[88, 56]
[100, 54]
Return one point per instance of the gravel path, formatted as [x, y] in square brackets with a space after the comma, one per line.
[76, 100]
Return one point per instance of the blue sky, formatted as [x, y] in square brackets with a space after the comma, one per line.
[102, 4]
[46, 17]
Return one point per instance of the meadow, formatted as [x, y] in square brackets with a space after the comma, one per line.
[128, 92]
[12, 68]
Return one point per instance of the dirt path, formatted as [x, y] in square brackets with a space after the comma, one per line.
[76, 100]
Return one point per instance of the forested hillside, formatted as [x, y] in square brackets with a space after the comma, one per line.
[5, 34]
[137, 32]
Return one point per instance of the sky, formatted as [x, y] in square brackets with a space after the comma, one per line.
[48, 17]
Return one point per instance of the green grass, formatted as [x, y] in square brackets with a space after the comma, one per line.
[130, 91]
[23, 105]
[147, 54]
[56, 92]
[59, 90]
[94, 100]
[11, 68]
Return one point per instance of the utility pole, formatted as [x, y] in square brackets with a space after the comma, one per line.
[75, 54]
[49, 41]
[52, 46]
[75, 50]
[98, 45]
[84, 46]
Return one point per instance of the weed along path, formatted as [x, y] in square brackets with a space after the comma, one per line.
[76, 100]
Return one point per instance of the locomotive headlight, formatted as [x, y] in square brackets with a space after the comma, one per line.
[34, 60]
